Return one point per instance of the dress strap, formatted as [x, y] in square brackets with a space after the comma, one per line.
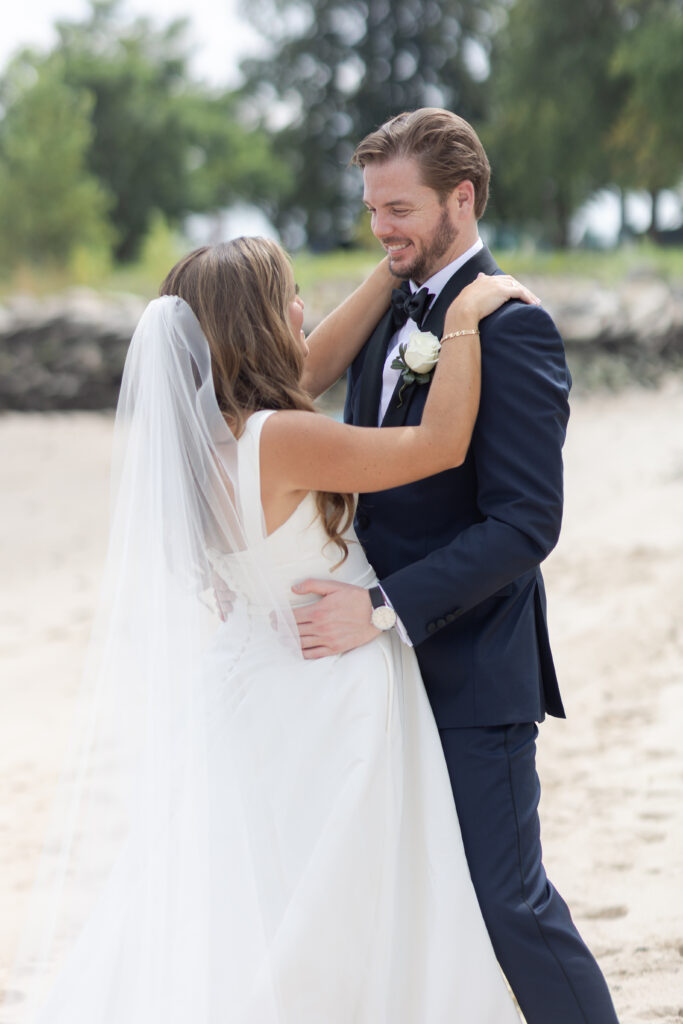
[249, 477]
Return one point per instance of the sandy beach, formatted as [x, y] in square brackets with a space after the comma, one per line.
[612, 809]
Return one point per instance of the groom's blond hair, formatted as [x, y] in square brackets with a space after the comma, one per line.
[446, 147]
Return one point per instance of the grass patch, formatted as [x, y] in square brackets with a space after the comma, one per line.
[609, 266]
[352, 265]
[339, 271]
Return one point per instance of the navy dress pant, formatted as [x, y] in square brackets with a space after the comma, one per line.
[551, 971]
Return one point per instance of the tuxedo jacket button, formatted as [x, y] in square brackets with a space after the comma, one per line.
[431, 627]
[451, 617]
[441, 623]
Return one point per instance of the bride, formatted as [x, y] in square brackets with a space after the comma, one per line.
[245, 836]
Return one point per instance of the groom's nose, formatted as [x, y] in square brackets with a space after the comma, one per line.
[383, 226]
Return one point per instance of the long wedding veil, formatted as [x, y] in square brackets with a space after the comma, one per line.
[133, 841]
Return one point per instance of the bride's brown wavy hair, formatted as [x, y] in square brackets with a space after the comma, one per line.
[240, 292]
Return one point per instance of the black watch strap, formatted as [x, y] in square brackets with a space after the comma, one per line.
[377, 597]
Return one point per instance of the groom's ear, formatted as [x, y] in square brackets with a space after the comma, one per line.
[462, 197]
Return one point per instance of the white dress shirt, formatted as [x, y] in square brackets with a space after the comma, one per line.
[435, 285]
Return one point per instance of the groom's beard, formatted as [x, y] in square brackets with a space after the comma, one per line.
[426, 262]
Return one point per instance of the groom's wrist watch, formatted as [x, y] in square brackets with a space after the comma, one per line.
[383, 616]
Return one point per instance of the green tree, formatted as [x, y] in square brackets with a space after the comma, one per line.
[133, 74]
[646, 140]
[339, 68]
[161, 142]
[230, 160]
[50, 203]
[553, 102]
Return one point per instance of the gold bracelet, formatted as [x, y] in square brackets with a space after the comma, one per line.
[459, 334]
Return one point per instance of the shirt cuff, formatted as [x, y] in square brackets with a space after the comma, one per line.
[400, 628]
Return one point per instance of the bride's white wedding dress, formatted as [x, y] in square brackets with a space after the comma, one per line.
[335, 889]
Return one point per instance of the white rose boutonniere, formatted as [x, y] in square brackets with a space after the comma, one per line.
[417, 359]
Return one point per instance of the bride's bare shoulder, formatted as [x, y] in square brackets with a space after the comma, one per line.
[299, 428]
[294, 440]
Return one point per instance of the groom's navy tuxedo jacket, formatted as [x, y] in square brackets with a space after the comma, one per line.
[458, 554]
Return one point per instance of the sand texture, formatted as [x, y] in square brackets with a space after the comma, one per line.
[612, 807]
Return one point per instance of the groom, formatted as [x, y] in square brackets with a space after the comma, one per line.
[458, 555]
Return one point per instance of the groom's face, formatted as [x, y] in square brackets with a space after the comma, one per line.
[419, 231]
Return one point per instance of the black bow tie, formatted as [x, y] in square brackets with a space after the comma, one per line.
[406, 306]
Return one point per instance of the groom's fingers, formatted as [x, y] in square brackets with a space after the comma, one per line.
[303, 616]
[311, 653]
[312, 644]
[312, 632]
[320, 587]
[309, 633]
[338, 622]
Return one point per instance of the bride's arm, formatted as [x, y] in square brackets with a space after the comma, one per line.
[305, 451]
[336, 341]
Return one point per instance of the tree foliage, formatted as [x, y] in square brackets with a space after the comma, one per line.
[569, 98]
[552, 104]
[49, 202]
[338, 69]
[134, 75]
[154, 139]
[108, 131]
[646, 139]
[161, 142]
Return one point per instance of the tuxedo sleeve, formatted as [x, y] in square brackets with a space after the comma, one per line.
[517, 452]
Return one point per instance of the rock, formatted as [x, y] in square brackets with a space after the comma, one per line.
[68, 351]
[637, 315]
[65, 352]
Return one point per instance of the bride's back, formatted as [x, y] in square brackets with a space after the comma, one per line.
[297, 549]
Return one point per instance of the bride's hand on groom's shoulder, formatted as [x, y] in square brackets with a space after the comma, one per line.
[489, 291]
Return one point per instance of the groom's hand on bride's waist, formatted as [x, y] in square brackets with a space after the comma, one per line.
[339, 621]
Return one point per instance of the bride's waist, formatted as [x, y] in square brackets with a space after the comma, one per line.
[284, 579]
[249, 610]
[356, 572]
[265, 582]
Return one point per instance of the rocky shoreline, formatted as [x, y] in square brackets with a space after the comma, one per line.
[64, 352]
[67, 352]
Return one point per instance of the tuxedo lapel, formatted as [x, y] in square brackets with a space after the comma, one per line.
[401, 399]
[370, 387]
[481, 263]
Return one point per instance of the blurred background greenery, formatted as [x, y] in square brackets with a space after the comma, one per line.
[110, 145]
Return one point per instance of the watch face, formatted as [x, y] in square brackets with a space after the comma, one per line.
[383, 617]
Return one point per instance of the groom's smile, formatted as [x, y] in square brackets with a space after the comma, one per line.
[395, 249]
